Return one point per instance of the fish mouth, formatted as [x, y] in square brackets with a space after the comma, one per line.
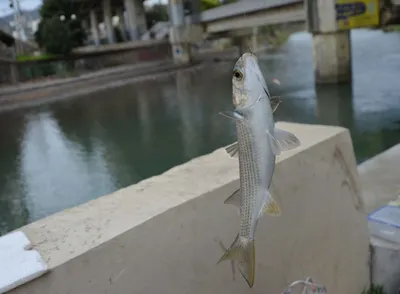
[249, 59]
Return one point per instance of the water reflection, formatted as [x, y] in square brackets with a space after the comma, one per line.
[13, 207]
[65, 153]
[187, 97]
[335, 105]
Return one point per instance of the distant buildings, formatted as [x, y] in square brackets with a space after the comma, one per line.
[29, 20]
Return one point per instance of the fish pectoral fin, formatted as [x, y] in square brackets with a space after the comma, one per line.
[287, 141]
[233, 150]
[231, 114]
[273, 144]
[272, 207]
[275, 101]
[282, 141]
[234, 199]
[242, 250]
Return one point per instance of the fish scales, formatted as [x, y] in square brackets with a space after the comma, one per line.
[259, 141]
[249, 177]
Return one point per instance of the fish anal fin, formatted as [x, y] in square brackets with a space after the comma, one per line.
[233, 149]
[234, 199]
[272, 207]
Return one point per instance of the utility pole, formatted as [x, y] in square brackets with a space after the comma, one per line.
[15, 5]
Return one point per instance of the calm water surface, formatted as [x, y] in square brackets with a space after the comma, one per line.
[65, 153]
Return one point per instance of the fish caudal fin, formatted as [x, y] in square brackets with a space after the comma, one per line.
[242, 251]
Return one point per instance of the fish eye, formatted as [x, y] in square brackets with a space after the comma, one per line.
[238, 74]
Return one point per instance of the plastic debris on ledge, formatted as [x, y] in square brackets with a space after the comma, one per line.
[309, 287]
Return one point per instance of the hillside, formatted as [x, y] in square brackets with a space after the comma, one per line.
[30, 14]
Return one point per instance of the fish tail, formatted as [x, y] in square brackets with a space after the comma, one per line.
[242, 250]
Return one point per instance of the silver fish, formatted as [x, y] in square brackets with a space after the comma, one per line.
[259, 142]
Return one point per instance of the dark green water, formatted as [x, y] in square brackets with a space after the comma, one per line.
[65, 153]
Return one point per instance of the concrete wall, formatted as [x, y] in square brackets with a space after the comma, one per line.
[161, 235]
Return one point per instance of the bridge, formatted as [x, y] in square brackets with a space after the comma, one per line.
[331, 39]
[245, 14]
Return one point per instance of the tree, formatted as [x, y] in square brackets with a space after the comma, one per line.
[158, 12]
[60, 29]
[209, 4]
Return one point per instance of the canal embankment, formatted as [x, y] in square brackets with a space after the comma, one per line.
[33, 93]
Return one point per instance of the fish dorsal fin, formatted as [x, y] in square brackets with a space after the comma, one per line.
[275, 101]
[234, 199]
[233, 150]
[282, 141]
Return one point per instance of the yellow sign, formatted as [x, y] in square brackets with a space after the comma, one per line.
[352, 14]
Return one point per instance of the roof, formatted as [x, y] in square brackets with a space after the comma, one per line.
[6, 38]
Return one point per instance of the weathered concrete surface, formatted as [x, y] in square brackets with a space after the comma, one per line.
[380, 178]
[161, 235]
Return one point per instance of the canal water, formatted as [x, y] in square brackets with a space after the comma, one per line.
[65, 153]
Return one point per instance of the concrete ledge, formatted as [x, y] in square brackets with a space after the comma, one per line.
[380, 178]
[161, 235]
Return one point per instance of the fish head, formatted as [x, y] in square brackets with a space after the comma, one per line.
[248, 83]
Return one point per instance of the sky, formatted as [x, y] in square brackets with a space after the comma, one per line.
[31, 4]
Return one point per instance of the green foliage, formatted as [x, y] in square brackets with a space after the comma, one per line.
[209, 4]
[55, 35]
[375, 289]
[158, 12]
[32, 57]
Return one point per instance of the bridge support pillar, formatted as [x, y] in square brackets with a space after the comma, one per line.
[332, 57]
[254, 39]
[121, 23]
[180, 47]
[108, 21]
[136, 18]
[94, 26]
[244, 43]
